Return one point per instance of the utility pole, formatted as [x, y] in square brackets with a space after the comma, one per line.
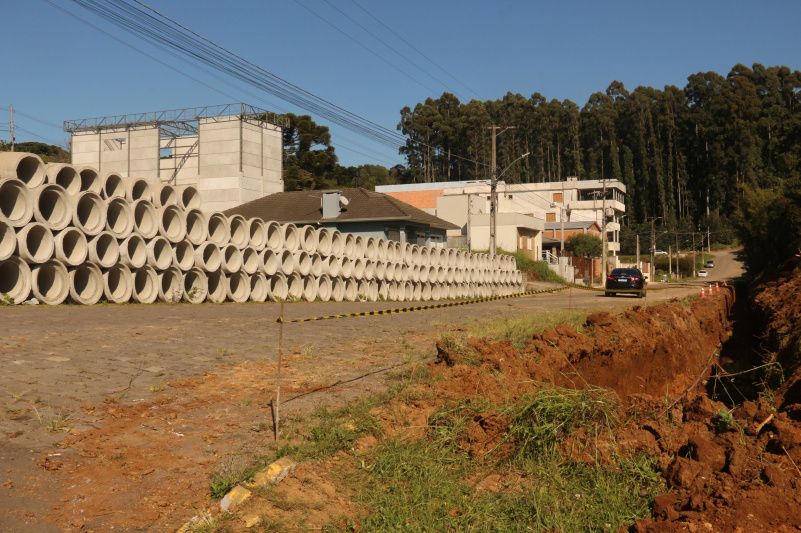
[562, 221]
[708, 240]
[493, 190]
[11, 125]
[678, 257]
[469, 225]
[637, 237]
[653, 248]
[604, 242]
[693, 254]
[670, 262]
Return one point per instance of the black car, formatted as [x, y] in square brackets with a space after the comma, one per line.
[625, 281]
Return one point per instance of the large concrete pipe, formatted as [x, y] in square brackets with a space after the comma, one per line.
[119, 217]
[16, 204]
[408, 291]
[171, 285]
[441, 274]
[359, 247]
[337, 289]
[208, 257]
[324, 241]
[112, 186]
[346, 270]
[308, 239]
[381, 248]
[50, 282]
[436, 292]
[164, 194]
[350, 245]
[250, 260]
[291, 236]
[425, 292]
[183, 255]
[287, 262]
[188, 197]
[137, 189]
[238, 287]
[303, 263]
[389, 271]
[417, 291]
[35, 243]
[64, 175]
[372, 291]
[324, 288]
[371, 248]
[86, 284]
[145, 218]
[133, 251]
[8, 241]
[104, 250]
[383, 290]
[414, 256]
[400, 292]
[337, 243]
[450, 275]
[71, 247]
[369, 270]
[270, 262]
[351, 290]
[359, 266]
[89, 213]
[257, 234]
[453, 292]
[392, 291]
[425, 256]
[28, 168]
[159, 253]
[51, 206]
[196, 286]
[363, 290]
[423, 273]
[294, 286]
[231, 259]
[259, 288]
[316, 265]
[15, 279]
[277, 287]
[239, 231]
[118, 284]
[172, 224]
[197, 226]
[217, 285]
[332, 266]
[406, 273]
[274, 233]
[90, 180]
[145, 287]
[380, 271]
[219, 232]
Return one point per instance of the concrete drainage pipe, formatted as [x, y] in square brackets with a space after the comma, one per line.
[369, 270]
[425, 292]
[417, 291]
[258, 287]
[337, 289]
[145, 288]
[90, 180]
[112, 186]
[238, 287]
[392, 291]
[28, 168]
[270, 262]
[323, 244]
[349, 248]
[239, 231]
[371, 248]
[89, 213]
[118, 284]
[104, 250]
[197, 226]
[8, 241]
[50, 282]
[422, 274]
[15, 279]
[119, 218]
[436, 293]
[346, 270]
[294, 286]
[291, 237]
[351, 290]
[35, 243]
[408, 291]
[183, 255]
[275, 236]
[380, 272]
[316, 265]
[188, 197]
[363, 290]
[63, 175]
[159, 253]
[250, 260]
[308, 239]
[208, 257]
[71, 247]
[133, 251]
[172, 224]
[287, 262]
[359, 266]
[257, 234]
[337, 243]
[164, 194]
[381, 250]
[303, 263]
[333, 266]
[86, 284]
[219, 232]
[137, 189]
[231, 259]
[383, 290]
[277, 288]
[196, 286]
[16, 204]
[217, 287]
[359, 247]
[324, 288]
[400, 292]
[145, 219]
[389, 272]
[440, 273]
[51, 206]
[171, 285]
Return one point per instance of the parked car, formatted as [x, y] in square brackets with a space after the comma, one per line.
[710, 264]
[625, 281]
[660, 252]
[703, 273]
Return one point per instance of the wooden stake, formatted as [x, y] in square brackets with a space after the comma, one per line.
[277, 402]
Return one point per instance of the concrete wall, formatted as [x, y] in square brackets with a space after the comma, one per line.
[130, 152]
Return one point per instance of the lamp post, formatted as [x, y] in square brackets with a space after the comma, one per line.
[494, 195]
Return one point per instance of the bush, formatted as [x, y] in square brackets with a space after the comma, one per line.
[536, 270]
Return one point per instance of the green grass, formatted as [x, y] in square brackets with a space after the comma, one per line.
[536, 270]
[520, 329]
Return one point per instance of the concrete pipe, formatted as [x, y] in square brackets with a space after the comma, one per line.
[389, 272]
[196, 286]
[164, 194]
[372, 291]
[337, 289]
[458, 275]
[286, 261]
[51, 206]
[453, 293]
[324, 288]
[413, 257]
[15, 279]
[172, 223]
[16, 204]
[28, 168]
[183, 255]
[64, 175]
[104, 250]
[259, 289]
[294, 284]
[133, 251]
[308, 239]
[250, 261]
[408, 291]
[208, 257]
[237, 287]
[346, 270]
[382, 249]
[50, 282]
[291, 237]
[425, 256]
[363, 290]
[324, 241]
[392, 254]
[369, 270]
[188, 197]
[406, 252]
[316, 265]
[303, 263]
[359, 266]
[422, 274]
[371, 248]
[71, 247]
[270, 262]
[349, 248]
[380, 272]
[119, 218]
[442, 275]
[145, 288]
[197, 226]
[436, 293]
[159, 253]
[351, 290]
[118, 284]
[35, 243]
[425, 292]
[111, 186]
[171, 285]
[86, 284]
[274, 233]
[400, 292]
[392, 292]
[145, 218]
[405, 273]
[277, 287]
[450, 275]
[417, 292]
[239, 231]
[219, 232]
[359, 247]
[337, 243]
[231, 259]
[89, 213]
[137, 189]
[332, 266]
[90, 180]
[8, 241]
[257, 234]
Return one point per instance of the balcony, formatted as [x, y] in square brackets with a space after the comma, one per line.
[619, 207]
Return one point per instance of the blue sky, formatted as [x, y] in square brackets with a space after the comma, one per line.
[54, 67]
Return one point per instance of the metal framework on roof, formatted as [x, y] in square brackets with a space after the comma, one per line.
[177, 122]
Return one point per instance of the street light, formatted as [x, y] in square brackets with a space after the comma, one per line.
[494, 200]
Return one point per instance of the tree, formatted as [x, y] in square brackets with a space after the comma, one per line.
[584, 245]
[309, 158]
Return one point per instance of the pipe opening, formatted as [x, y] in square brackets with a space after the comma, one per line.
[89, 180]
[219, 232]
[13, 200]
[53, 206]
[50, 283]
[118, 285]
[87, 284]
[145, 286]
[114, 186]
[216, 287]
[73, 246]
[15, 279]
[39, 243]
[89, 212]
[28, 168]
[145, 219]
[118, 218]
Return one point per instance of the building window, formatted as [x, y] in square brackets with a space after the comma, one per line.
[558, 197]
[550, 217]
[165, 153]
